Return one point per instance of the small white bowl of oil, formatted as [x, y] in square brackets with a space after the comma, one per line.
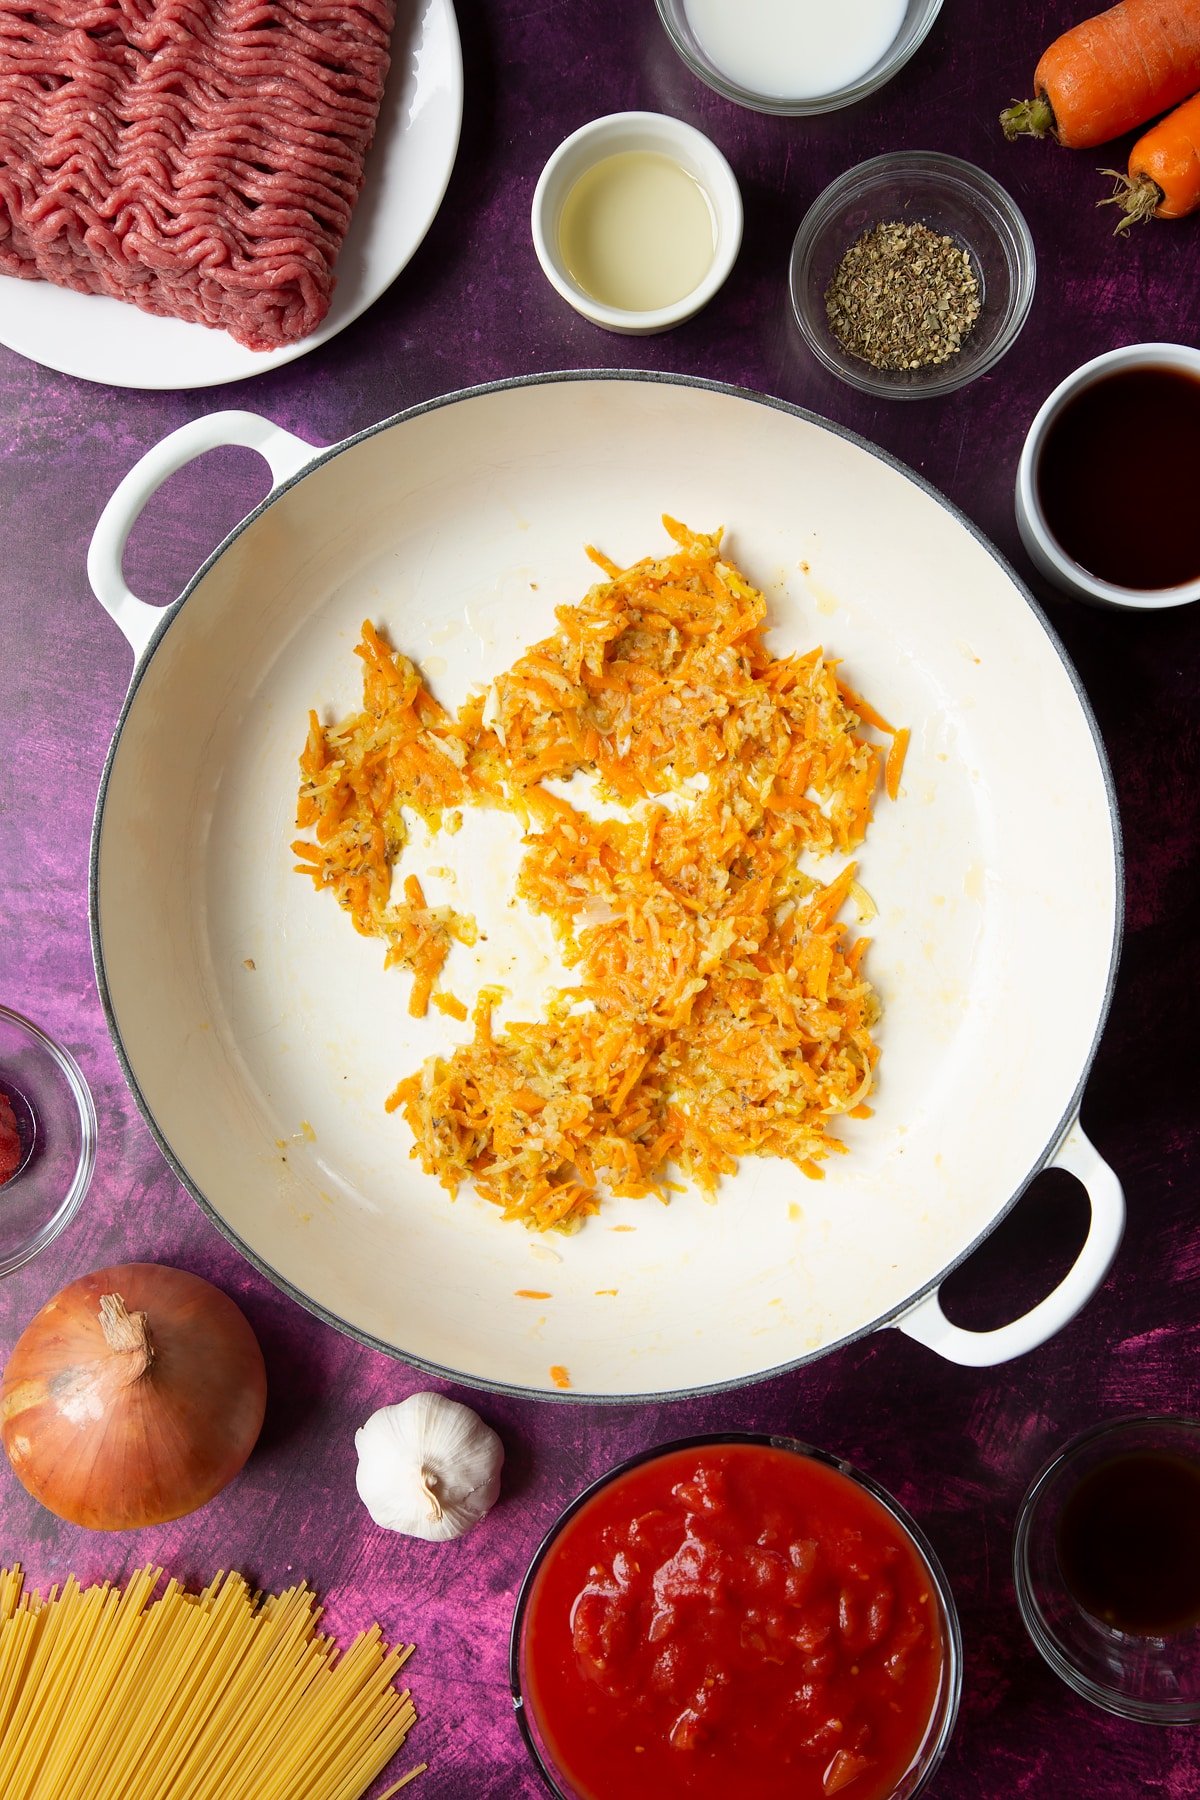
[637, 221]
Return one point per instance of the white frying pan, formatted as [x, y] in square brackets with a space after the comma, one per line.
[261, 1035]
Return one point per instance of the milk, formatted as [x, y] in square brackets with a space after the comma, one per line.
[795, 49]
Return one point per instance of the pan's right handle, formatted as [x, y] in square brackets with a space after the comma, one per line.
[285, 455]
[928, 1324]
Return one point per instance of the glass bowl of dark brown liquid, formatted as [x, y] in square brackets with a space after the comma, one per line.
[1106, 1562]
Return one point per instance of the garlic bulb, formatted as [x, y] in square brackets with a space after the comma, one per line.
[428, 1467]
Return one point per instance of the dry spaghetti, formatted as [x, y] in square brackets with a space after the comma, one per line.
[111, 1694]
[719, 1007]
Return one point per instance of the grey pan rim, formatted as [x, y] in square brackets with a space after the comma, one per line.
[482, 1383]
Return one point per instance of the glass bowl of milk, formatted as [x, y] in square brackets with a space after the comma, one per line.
[796, 56]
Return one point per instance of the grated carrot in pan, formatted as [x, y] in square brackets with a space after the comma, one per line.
[895, 762]
[401, 750]
[718, 1008]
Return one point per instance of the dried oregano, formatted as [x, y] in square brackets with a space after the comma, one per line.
[902, 297]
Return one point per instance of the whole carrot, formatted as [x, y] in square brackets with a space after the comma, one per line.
[1163, 181]
[1112, 72]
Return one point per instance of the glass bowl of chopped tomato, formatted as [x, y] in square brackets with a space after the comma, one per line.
[911, 274]
[47, 1139]
[735, 1614]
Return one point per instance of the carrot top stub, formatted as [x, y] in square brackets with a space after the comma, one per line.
[1163, 178]
[1112, 72]
[718, 1006]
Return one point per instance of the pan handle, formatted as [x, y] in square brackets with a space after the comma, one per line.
[928, 1324]
[285, 455]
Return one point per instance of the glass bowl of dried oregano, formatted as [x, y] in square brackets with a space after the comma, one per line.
[912, 274]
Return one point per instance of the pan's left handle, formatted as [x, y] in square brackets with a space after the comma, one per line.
[285, 455]
[928, 1324]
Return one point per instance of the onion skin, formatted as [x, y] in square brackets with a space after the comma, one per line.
[112, 1439]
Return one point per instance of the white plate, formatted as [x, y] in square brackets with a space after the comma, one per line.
[406, 175]
[239, 996]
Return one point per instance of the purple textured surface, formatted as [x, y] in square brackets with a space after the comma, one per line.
[956, 1446]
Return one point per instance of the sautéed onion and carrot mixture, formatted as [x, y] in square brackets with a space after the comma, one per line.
[718, 1008]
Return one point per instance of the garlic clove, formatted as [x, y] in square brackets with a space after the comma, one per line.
[428, 1467]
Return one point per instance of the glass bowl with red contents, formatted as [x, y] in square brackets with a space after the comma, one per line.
[47, 1139]
[735, 1614]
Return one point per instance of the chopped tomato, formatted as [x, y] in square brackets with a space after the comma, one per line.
[11, 1152]
[732, 1619]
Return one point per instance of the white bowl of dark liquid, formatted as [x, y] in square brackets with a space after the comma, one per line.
[1093, 522]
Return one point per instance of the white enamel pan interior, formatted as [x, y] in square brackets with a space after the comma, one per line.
[261, 1035]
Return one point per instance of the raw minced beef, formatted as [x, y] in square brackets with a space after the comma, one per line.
[199, 158]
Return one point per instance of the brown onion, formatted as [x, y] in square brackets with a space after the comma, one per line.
[132, 1397]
